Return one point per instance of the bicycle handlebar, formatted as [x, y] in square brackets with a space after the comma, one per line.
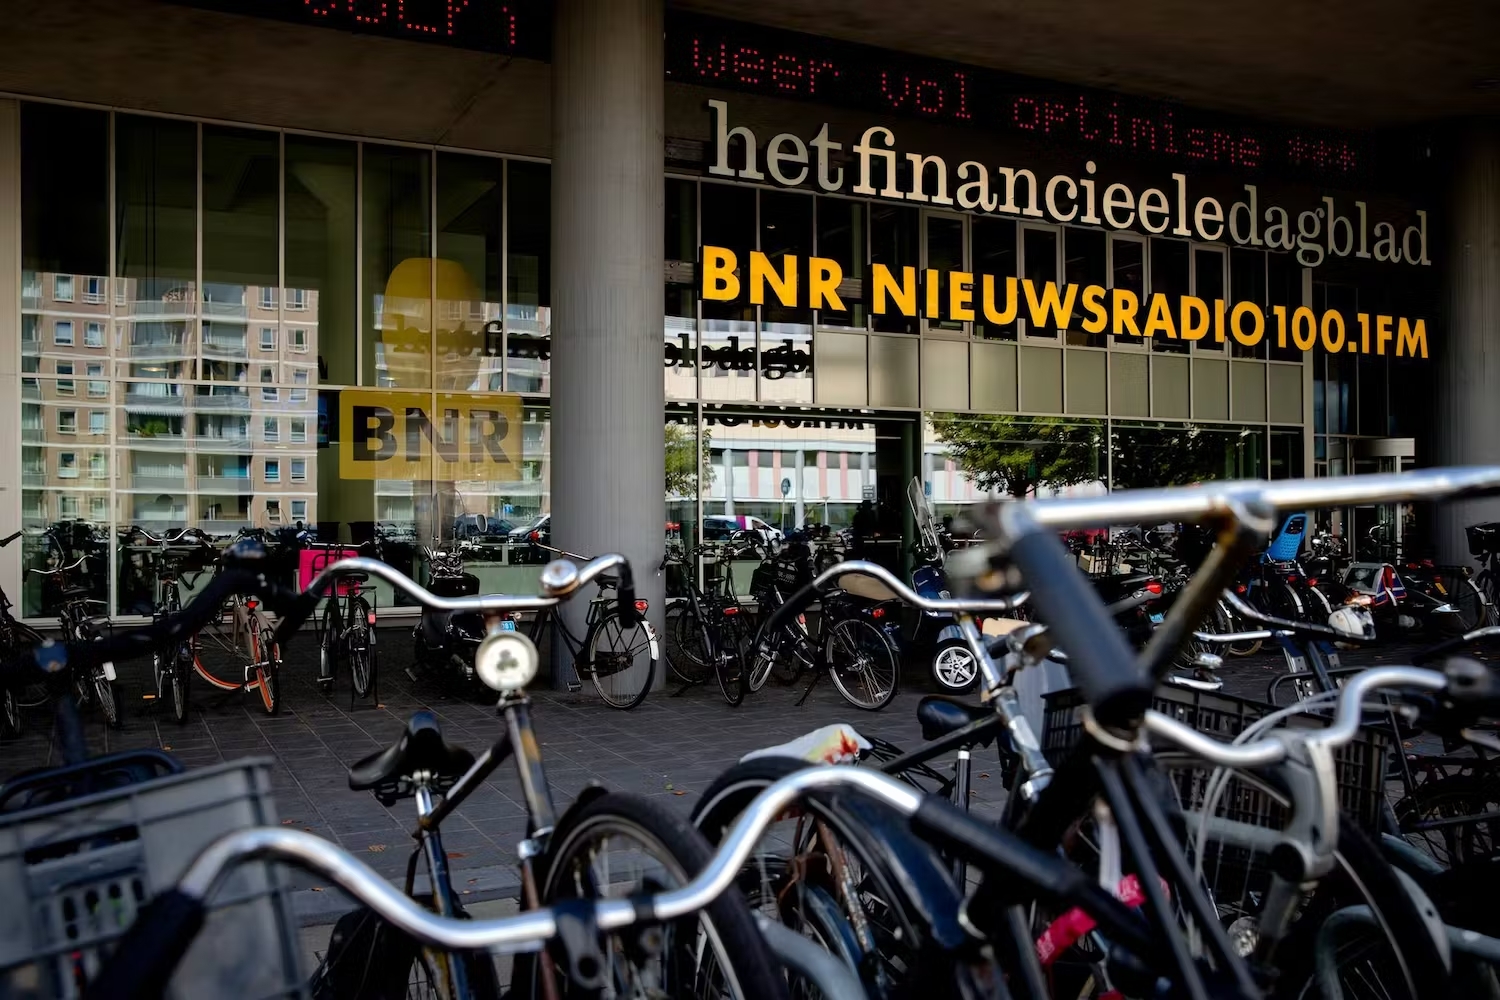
[803, 598]
[143, 961]
[58, 569]
[1284, 625]
[1454, 644]
[9, 538]
[1273, 749]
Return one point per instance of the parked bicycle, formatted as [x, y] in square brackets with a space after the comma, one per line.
[93, 687]
[707, 631]
[346, 628]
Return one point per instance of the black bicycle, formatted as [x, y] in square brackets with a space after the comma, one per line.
[706, 630]
[95, 685]
[346, 630]
[617, 655]
[183, 555]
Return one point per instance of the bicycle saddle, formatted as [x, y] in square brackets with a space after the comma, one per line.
[940, 715]
[420, 748]
[68, 593]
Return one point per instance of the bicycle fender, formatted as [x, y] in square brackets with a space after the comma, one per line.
[912, 866]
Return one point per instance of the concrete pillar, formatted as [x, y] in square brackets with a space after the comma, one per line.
[1468, 355]
[608, 414]
[728, 481]
[799, 515]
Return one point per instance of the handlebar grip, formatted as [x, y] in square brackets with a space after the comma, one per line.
[1472, 685]
[145, 958]
[9, 538]
[1100, 662]
[625, 596]
[790, 609]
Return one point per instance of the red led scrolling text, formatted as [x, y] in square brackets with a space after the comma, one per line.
[380, 13]
[1083, 119]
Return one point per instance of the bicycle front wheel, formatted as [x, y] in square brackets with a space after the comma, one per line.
[621, 659]
[361, 646]
[267, 655]
[729, 661]
[182, 668]
[862, 664]
[619, 846]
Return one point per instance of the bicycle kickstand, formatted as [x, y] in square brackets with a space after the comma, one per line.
[817, 675]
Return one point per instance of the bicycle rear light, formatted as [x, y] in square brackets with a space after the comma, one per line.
[641, 606]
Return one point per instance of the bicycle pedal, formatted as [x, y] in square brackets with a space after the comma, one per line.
[574, 687]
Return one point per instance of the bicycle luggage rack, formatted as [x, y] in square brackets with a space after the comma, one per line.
[75, 874]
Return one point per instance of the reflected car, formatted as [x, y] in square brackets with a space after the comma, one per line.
[722, 527]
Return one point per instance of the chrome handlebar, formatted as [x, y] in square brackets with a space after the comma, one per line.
[531, 927]
[559, 580]
[1273, 749]
[949, 605]
[59, 569]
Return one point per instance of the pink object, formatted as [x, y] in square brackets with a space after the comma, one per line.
[311, 562]
[1065, 931]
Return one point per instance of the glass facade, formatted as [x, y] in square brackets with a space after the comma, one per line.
[212, 317]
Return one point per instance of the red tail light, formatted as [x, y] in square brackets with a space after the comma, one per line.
[877, 612]
[731, 610]
[535, 536]
[370, 618]
[641, 606]
[1153, 586]
[252, 604]
[1240, 588]
[1293, 578]
[1312, 581]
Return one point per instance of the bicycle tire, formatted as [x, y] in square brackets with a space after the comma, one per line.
[729, 662]
[866, 647]
[103, 690]
[684, 644]
[10, 715]
[621, 684]
[183, 658]
[1456, 795]
[328, 646]
[903, 938]
[267, 660]
[725, 927]
[361, 647]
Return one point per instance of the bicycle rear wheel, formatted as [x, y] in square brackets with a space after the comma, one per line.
[621, 659]
[182, 658]
[361, 646]
[729, 661]
[862, 664]
[328, 645]
[684, 640]
[621, 845]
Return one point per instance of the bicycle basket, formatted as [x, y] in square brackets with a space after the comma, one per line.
[1483, 538]
[75, 874]
[1360, 764]
[312, 561]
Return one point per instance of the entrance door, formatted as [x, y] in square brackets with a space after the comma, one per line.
[1379, 532]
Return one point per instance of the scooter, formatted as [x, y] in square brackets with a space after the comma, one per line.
[444, 642]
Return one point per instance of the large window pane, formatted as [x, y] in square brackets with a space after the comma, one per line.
[1169, 277]
[398, 267]
[1208, 285]
[994, 246]
[529, 285]
[727, 337]
[842, 237]
[156, 206]
[680, 308]
[894, 236]
[1284, 288]
[1084, 264]
[1247, 283]
[1153, 454]
[786, 230]
[470, 290]
[945, 253]
[1039, 258]
[1007, 456]
[321, 231]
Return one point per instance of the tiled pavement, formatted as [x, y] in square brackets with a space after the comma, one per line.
[669, 748]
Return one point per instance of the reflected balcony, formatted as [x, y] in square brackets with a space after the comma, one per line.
[160, 479]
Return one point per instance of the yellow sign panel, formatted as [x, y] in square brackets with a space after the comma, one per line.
[393, 434]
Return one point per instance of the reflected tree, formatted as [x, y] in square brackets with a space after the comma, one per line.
[1019, 455]
[1166, 454]
[682, 462]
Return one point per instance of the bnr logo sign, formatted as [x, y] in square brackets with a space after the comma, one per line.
[421, 435]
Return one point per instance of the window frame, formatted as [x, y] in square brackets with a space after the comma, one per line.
[271, 465]
[1125, 342]
[57, 327]
[71, 414]
[1059, 264]
[1208, 345]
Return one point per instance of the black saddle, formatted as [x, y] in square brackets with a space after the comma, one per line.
[73, 592]
[940, 715]
[420, 748]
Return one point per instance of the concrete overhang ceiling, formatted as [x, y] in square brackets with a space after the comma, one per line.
[1346, 63]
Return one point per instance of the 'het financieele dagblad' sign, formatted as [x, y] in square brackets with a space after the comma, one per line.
[813, 283]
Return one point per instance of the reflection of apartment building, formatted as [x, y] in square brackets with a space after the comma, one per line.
[182, 409]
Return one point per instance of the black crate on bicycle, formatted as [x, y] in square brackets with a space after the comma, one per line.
[1484, 539]
[1359, 765]
[464, 585]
